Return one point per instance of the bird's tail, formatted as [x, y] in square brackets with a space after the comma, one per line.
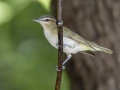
[99, 48]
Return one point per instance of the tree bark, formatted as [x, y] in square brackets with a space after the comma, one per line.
[97, 21]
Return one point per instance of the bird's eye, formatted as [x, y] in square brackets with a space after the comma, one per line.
[47, 20]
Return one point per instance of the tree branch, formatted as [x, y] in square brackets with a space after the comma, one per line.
[59, 23]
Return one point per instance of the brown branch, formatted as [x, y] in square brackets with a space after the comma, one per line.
[60, 42]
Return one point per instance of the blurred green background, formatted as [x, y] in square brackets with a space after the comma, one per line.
[27, 60]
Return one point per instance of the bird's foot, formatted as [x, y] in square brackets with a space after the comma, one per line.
[64, 45]
[58, 45]
[59, 23]
[63, 67]
[68, 46]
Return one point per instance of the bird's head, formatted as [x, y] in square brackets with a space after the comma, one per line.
[46, 21]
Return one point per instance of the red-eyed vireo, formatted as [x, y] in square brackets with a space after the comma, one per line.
[72, 42]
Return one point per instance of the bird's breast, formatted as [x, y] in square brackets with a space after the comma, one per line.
[51, 37]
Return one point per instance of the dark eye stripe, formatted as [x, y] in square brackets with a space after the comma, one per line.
[47, 20]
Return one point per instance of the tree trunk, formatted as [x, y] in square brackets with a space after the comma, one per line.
[97, 21]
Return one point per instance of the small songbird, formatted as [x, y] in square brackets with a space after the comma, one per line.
[72, 42]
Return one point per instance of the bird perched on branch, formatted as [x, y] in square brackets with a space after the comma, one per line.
[72, 42]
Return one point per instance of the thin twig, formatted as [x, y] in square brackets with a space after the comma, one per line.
[60, 42]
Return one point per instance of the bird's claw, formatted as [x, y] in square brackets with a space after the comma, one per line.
[69, 46]
[72, 46]
[65, 45]
[63, 67]
[58, 45]
[59, 23]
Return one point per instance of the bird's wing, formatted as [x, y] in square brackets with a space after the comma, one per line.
[88, 53]
[72, 35]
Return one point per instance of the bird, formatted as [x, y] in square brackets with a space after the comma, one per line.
[72, 42]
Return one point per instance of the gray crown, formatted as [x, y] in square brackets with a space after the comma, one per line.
[46, 16]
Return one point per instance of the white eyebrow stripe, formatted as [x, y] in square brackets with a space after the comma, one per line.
[47, 18]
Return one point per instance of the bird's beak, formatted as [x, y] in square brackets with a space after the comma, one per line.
[35, 20]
